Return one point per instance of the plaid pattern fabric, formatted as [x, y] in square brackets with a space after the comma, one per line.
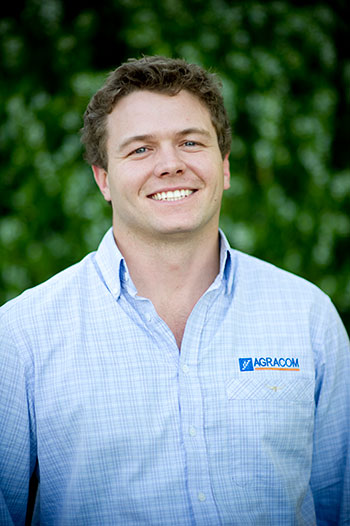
[247, 425]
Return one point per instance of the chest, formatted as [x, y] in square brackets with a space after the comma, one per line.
[129, 409]
[176, 321]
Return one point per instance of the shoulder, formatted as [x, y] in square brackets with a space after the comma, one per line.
[280, 295]
[264, 278]
[36, 303]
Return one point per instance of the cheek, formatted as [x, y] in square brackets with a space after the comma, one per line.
[124, 185]
[138, 178]
[203, 167]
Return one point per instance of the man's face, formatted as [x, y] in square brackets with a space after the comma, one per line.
[165, 172]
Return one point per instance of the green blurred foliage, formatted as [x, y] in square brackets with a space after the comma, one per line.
[285, 77]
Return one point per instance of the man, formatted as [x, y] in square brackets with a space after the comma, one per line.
[167, 379]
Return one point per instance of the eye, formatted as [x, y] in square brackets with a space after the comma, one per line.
[142, 149]
[190, 143]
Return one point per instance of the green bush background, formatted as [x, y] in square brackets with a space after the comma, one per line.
[285, 72]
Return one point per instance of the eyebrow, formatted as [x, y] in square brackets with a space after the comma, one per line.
[136, 138]
[150, 137]
[197, 131]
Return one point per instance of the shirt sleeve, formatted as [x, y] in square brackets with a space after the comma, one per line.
[17, 437]
[330, 475]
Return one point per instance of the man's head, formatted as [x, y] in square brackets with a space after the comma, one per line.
[156, 74]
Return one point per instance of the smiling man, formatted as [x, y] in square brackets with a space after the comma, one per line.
[165, 178]
[168, 379]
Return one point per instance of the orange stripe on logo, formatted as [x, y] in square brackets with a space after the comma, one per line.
[274, 369]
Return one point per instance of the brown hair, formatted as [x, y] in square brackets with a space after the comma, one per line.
[159, 74]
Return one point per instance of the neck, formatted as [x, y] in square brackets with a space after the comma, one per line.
[173, 273]
[170, 263]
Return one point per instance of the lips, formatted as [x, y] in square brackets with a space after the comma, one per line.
[172, 195]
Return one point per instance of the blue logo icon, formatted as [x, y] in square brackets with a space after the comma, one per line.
[246, 364]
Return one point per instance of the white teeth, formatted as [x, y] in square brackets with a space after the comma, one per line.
[171, 195]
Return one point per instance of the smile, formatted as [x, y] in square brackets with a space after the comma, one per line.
[171, 195]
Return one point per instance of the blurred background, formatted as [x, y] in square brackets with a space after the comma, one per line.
[285, 68]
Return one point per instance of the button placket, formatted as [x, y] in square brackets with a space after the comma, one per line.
[191, 403]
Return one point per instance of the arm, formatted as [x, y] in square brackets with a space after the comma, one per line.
[330, 476]
[17, 437]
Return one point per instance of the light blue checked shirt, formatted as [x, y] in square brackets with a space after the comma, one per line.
[248, 425]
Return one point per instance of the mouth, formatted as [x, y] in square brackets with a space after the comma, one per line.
[172, 195]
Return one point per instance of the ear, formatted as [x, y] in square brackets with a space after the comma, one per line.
[101, 178]
[226, 171]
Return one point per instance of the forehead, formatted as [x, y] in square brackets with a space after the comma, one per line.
[146, 112]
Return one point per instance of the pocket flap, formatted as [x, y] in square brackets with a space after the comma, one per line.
[295, 389]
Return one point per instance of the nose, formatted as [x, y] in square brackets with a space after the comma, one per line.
[168, 162]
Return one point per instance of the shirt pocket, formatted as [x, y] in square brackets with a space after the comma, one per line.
[271, 426]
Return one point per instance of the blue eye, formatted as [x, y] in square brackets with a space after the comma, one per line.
[190, 143]
[143, 149]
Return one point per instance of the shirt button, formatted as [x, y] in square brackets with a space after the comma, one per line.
[148, 317]
[185, 369]
[201, 497]
[192, 431]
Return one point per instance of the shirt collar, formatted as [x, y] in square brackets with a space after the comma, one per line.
[110, 263]
[114, 271]
[226, 273]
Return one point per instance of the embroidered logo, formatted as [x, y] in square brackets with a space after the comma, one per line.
[268, 363]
